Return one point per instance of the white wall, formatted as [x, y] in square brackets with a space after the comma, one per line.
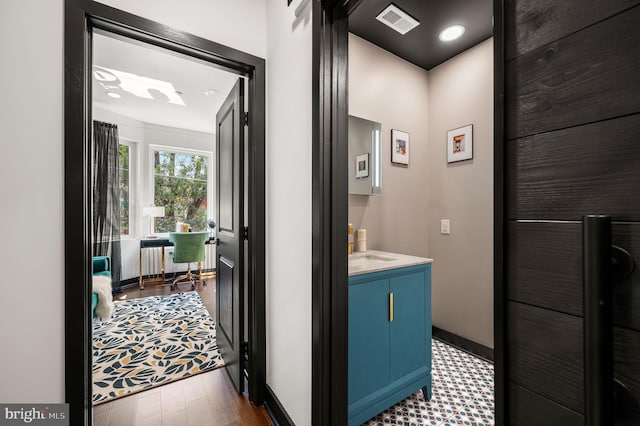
[461, 93]
[394, 93]
[31, 206]
[32, 193]
[128, 128]
[289, 132]
[235, 23]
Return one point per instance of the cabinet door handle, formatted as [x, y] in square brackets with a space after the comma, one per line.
[391, 307]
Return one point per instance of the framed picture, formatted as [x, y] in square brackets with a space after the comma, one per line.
[460, 144]
[399, 147]
[362, 166]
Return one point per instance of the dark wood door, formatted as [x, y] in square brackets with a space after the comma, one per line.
[572, 148]
[230, 250]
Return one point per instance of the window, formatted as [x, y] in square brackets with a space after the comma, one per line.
[124, 188]
[180, 184]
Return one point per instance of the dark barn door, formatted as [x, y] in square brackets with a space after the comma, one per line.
[572, 148]
[230, 249]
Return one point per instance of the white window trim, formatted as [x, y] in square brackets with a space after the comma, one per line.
[210, 171]
[132, 144]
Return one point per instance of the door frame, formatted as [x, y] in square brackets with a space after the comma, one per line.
[80, 18]
[330, 210]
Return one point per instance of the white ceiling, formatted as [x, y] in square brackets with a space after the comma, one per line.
[147, 78]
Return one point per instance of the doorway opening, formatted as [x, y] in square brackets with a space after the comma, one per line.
[84, 21]
[160, 108]
[334, 101]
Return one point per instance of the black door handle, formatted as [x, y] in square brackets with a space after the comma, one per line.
[598, 320]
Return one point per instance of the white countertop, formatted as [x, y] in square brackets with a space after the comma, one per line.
[374, 261]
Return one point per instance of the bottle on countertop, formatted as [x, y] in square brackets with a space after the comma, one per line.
[362, 240]
[350, 239]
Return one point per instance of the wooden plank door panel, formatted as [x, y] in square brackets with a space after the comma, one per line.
[545, 353]
[545, 347]
[564, 174]
[531, 24]
[572, 118]
[626, 358]
[545, 268]
[544, 265]
[531, 409]
[585, 77]
[545, 329]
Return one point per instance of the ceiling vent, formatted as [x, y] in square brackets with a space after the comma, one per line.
[397, 19]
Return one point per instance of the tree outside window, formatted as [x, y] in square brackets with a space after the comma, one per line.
[180, 185]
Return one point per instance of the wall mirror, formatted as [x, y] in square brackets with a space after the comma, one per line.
[365, 171]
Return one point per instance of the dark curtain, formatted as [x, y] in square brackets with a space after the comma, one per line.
[106, 197]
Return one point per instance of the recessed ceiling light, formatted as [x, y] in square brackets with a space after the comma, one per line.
[114, 95]
[210, 92]
[451, 33]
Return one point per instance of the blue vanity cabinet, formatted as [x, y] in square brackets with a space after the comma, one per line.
[389, 339]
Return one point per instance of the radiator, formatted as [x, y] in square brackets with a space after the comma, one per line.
[152, 262]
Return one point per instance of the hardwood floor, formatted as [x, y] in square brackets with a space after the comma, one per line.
[204, 399]
[207, 293]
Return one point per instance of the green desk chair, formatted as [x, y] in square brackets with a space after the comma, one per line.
[188, 248]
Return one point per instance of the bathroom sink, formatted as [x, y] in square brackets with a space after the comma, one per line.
[374, 260]
[369, 257]
[368, 261]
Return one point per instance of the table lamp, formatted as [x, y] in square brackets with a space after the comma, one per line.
[152, 212]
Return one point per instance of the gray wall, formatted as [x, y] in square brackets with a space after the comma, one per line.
[406, 217]
[383, 88]
[461, 93]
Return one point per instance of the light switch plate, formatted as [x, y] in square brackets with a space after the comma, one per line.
[445, 227]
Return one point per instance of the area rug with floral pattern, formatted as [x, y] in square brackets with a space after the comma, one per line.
[152, 341]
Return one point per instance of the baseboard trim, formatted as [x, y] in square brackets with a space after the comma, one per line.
[276, 411]
[129, 282]
[464, 344]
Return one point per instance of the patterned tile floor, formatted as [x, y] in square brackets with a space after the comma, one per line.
[462, 394]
